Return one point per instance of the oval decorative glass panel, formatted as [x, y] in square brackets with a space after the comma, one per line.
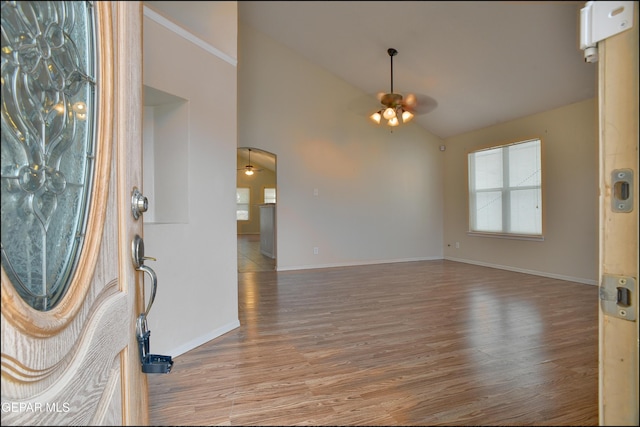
[48, 140]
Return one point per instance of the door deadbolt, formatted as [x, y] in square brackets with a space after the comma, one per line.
[139, 203]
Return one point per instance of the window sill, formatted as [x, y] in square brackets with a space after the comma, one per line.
[535, 238]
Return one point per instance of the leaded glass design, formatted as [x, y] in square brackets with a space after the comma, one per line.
[48, 110]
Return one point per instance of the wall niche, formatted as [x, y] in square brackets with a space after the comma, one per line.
[165, 157]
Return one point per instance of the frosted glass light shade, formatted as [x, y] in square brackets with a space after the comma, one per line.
[406, 116]
[389, 113]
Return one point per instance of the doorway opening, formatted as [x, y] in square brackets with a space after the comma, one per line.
[256, 199]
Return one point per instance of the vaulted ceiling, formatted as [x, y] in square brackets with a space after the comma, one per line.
[484, 62]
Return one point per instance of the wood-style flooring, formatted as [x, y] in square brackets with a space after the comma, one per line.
[415, 343]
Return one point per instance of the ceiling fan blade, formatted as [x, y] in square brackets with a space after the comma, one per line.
[250, 167]
[416, 103]
[419, 104]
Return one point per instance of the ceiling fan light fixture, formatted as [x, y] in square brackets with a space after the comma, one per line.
[249, 169]
[389, 113]
[406, 116]
[395, 108]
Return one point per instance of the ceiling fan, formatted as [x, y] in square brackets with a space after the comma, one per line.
[397, 109]
[249, 169]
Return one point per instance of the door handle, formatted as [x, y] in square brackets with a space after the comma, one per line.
[151, 363]
[154, 285]
[138, 262]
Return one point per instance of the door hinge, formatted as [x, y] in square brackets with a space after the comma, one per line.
[600, 20]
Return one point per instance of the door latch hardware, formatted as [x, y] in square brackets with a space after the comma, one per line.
[622, 190]
[617, 294]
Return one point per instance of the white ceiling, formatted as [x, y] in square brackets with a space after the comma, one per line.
[484, 62]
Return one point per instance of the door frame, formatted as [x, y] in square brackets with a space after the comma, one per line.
[618, 231]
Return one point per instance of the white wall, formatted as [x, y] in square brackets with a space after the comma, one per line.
[196, 253]
[570, 196]
[379, 194]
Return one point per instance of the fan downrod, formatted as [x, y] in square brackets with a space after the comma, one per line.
[392, 52]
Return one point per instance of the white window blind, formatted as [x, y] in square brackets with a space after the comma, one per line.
[242, 204]
[505, 189]
[269, 195]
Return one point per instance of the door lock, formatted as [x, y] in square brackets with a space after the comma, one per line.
[139, 203]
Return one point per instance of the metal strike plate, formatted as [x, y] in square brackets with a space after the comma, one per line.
[617, 296]
[622, 190]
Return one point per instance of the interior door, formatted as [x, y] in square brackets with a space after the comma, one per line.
[70, 292]
[618, 123]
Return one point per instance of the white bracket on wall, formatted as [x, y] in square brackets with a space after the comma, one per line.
[600, 20]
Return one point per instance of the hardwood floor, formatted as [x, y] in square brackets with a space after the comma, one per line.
[416, 343]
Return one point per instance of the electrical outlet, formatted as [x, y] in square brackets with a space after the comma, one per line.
[457, 245]
[315, 251]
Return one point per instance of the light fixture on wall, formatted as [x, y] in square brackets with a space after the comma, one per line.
[396, 109]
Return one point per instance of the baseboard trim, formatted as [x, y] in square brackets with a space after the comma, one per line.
[196, 342]
[354, 263]
[466, 261]
[523, 270]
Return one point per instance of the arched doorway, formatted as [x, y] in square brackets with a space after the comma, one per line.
[256, 198]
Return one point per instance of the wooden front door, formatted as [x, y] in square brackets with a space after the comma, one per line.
[70, 354]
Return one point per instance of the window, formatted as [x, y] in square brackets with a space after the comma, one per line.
[242, 203]
[505, 190]
[269, 195]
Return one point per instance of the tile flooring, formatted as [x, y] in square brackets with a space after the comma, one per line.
[249, 256]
